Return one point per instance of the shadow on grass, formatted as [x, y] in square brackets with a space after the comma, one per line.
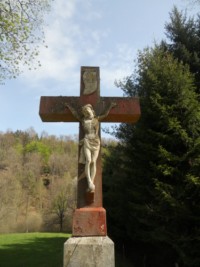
[40, 252]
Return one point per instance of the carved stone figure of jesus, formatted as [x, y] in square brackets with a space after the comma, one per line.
[90, 144]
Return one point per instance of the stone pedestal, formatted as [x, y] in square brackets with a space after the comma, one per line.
[95, 251]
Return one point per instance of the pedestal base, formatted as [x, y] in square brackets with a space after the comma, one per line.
[93, 251]
[89, 222]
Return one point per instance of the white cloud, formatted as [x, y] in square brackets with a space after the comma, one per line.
[72, 43]
[87, 11]
[59, 57]
[64, 9]
[116, 65]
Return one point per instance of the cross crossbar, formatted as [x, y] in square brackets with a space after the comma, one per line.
[52, 109]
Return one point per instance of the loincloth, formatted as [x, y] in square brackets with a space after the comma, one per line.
[92, 144]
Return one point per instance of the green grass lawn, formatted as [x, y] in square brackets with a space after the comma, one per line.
[37, 250]
[32, 249]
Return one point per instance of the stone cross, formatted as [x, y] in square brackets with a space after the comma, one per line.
[89, 110]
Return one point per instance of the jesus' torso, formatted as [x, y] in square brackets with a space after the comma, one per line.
[91, 128]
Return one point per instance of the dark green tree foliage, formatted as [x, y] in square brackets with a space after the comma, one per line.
[152, 176]
[113, 183]
[184, 41]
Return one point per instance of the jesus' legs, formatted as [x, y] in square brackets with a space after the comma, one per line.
[91, 186]
[93, 167]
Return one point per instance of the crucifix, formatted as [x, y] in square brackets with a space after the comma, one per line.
[90, 109]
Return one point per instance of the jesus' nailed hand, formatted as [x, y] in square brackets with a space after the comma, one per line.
[90, 144]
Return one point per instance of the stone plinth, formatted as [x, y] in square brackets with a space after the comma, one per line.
[93, 251]
[89, 222]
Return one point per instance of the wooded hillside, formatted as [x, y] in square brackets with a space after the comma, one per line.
[37, 181]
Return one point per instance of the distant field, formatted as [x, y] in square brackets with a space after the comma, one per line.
[32, 249]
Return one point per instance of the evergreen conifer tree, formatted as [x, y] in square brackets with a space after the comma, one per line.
[184, 41]
[155, 184]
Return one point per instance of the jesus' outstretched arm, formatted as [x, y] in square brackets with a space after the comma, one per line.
[73, 111]
[102, 116]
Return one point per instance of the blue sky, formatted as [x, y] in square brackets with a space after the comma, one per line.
[104, 33]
